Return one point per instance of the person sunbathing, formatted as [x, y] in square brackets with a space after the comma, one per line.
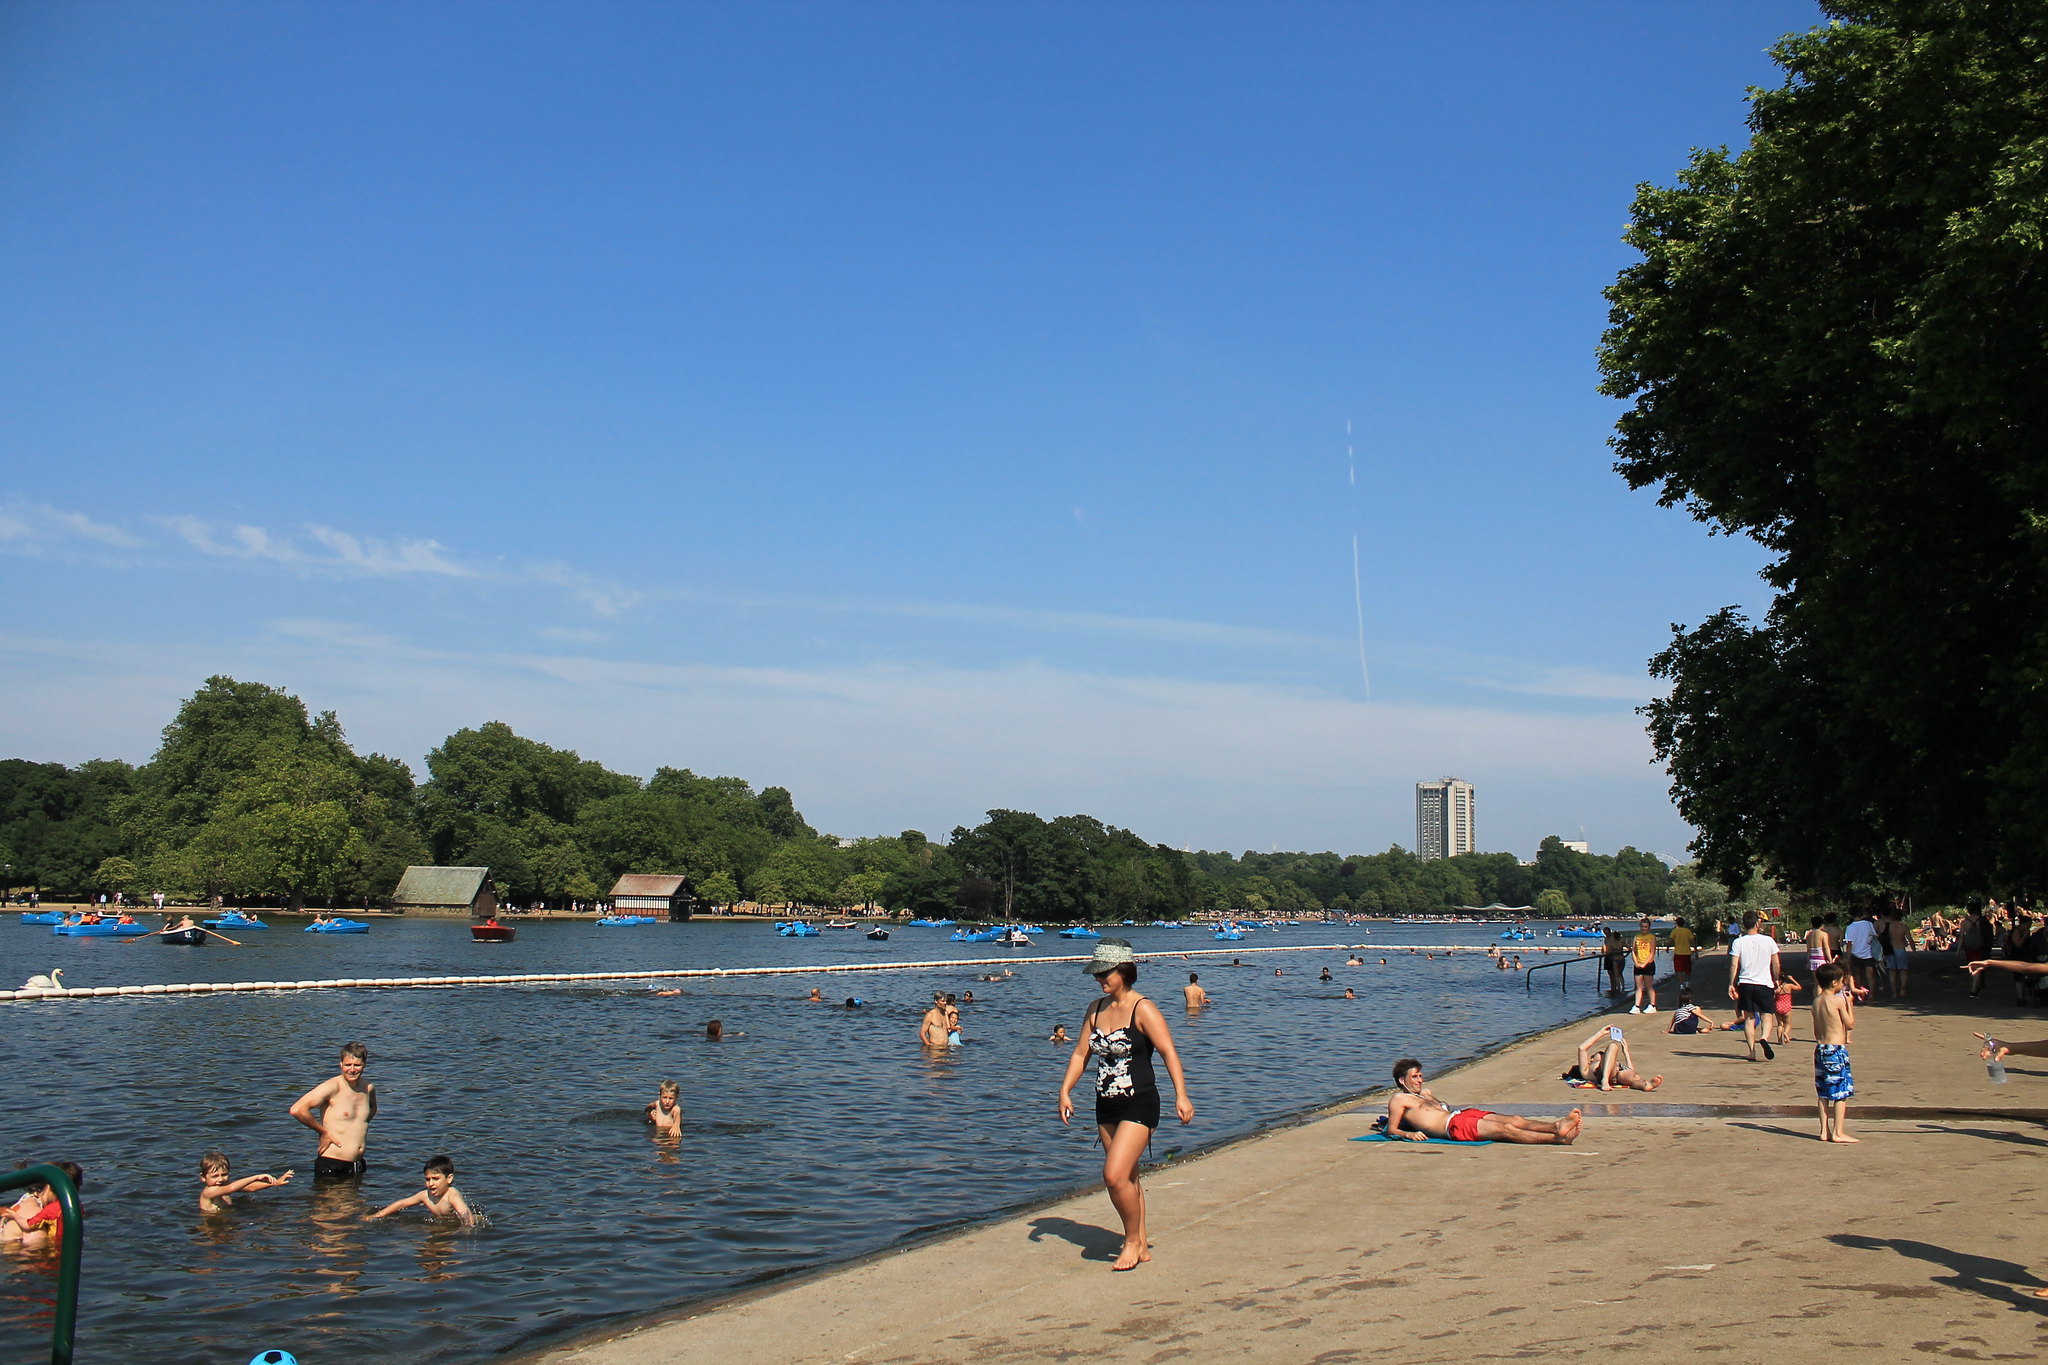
[1609, 1064]
[1417, 1115]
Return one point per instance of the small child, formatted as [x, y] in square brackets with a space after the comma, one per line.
[1058, 1034]
[38, 1219]
[1834, 1019]
[440, 1197]
[1688, 1018]
[1781, 1015]
[216, 1191]
[666, 1113]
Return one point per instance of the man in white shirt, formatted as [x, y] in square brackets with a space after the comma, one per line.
[1753, 972]
[1860, 938]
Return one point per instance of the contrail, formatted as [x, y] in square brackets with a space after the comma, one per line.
[1358, 601]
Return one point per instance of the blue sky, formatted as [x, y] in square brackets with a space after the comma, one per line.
[928, 408]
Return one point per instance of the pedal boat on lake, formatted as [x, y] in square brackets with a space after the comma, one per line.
[104, 929]
[338, 926]
[234, 919]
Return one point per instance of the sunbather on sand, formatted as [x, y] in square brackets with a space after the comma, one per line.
[1417, 1115]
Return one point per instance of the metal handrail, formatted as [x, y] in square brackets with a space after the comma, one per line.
[1563, 974]
[70, 1245]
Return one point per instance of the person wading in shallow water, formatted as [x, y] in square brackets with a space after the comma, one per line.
[346, 1103]
[1122, 1029]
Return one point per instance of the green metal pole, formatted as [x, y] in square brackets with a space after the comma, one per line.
[70, 1248]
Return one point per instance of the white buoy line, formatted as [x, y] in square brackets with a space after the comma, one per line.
[682, 973]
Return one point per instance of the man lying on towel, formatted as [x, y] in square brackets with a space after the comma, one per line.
[1417, 1115]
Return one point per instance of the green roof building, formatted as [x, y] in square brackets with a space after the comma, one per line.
[446, 890]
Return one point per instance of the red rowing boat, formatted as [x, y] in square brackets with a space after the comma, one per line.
[490, 931]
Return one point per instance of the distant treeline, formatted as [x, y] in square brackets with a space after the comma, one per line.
[252, 798]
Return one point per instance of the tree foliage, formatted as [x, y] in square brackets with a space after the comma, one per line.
[251, 796]
[1833, 345]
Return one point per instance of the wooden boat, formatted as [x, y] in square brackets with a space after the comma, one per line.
[878, 934]
[189, 938]
[490, 931]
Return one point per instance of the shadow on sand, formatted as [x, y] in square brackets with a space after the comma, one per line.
[1987, 1276]
[1096, 1243]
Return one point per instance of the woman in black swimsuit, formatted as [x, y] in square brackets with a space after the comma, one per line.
[1122, 1030]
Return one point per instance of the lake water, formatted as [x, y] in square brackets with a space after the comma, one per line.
[815, 1134]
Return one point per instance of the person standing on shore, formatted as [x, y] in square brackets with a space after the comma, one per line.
[1860, 938]
[1753, 970]
[1681, 954]
[1643, 957]
[1122, 1029]
[1974, 938]
[345, 1103]
[1834, 1019]
[1820, 942]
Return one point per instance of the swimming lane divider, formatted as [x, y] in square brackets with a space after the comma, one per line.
[684, 973]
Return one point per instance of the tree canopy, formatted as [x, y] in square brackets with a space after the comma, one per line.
[1834, 345]
[251, 796]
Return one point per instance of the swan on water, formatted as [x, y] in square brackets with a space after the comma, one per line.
[53, 982]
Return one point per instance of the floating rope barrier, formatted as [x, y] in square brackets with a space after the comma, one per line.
[693, 973]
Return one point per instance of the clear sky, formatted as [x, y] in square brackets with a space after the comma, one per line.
[926, 407]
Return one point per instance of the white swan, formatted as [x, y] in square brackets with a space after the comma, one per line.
[53, 982]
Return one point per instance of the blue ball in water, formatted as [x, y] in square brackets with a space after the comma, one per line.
[275, 1358]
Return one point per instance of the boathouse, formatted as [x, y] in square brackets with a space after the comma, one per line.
[446, 891]
[653, 893]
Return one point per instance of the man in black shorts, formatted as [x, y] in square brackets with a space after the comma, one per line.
[346, 1104]
[1753, 972]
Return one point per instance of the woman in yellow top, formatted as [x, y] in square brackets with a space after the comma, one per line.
[1643, 955]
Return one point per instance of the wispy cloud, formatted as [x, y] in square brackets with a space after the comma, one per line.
[389, 557]
[330, 548]
[603, 596]
[1497, 674]
[24, 524]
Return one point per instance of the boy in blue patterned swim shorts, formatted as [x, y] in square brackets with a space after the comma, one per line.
[1834, 1019]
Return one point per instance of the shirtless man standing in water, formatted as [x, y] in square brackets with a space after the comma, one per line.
[1414, 1113]
[346, 1103]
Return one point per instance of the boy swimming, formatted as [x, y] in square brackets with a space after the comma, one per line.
[216, 1191]
[666, 1113]
[440, 1197]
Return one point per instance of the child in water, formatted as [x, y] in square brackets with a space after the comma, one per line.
[37, 1220]
[666, 1113]
[216, 1191]
[440, 1197]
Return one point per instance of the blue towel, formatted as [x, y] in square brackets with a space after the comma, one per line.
[1448, 1142]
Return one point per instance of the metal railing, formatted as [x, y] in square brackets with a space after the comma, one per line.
[70, 1245]
[1563, 966]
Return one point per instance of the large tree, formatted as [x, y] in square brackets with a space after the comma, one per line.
[1835, 346]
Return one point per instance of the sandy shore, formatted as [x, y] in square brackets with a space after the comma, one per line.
[1677, 1223]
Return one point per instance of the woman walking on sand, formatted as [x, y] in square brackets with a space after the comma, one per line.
[1122, 1029]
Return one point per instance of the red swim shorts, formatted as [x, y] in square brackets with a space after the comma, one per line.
[1681, 963]
[1465, 1124]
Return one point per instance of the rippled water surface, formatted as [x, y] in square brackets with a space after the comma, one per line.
[814, 1134]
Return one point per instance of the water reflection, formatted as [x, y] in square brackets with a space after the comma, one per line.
[335, 1237]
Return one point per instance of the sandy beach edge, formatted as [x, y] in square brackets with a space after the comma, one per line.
[559, 1343]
